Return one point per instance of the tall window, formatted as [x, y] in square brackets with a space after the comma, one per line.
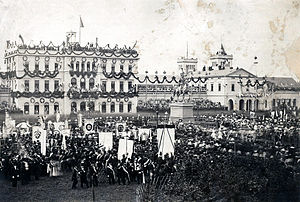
[121, 107]
[113, 68]
[36, 85]
[104, 67]
[212, 87]
[36, 108]
[56, 85]
[219, 87]
[73, 107]
[294, 102]
[103, 107]
[46, 85]
[112, 107]
[112, 85]
[26, 85]
[46, 108]
[56, 66]
[91, 106]
[129, 85]
[47, 66]
[82, 66]
[82, 106]
[130, 68]
[73, 82]
[121, 68]
[103, 86]
[93, 66]
[36, 67]
[121, 86]
[266, 103]
[72, 66]
[26, 108]
[82, 83]
[129, 106]
[91, 83]
[232, 87]
[88, 67]
[56, 107]
[77, 66]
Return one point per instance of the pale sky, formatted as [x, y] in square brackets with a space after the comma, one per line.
[267, 29]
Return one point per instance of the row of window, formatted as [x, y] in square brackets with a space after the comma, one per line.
[220, 87]
[103, 84]
[37, 65]
[37, 85]
[87, 67]
[90, 106]
[37, 109]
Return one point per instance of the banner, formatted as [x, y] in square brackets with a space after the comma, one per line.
[165, 141]
[144, 134]
[65, 133]
[120, 128]
[88, 126]
[125, 147]
[58, 127]
[106, 139]
[39, 134]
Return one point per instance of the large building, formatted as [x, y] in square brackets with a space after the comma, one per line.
[45, 79]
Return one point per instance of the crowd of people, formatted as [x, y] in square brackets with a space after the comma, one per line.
[234, 158]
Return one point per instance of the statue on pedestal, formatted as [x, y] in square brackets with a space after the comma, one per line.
[181, 90]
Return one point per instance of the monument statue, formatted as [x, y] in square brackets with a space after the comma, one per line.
[181, 90]
[181, 109]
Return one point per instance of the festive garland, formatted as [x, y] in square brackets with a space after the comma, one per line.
[249, 83]
[73, 94]
[164, 79]
[78, 50]
[31, 74]
[83, 73]
[46, 94]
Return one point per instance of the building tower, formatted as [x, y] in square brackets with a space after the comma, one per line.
[186, 64]
[221, 61]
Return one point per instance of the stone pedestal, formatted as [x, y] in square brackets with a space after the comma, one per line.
[181, 110]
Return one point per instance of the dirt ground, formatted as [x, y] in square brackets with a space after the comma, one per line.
[59, 189]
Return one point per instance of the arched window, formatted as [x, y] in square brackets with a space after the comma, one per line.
[56, 107]
[91, 106]
[82, 106]
[230, 105]
[46, 108]
[77, 66]
[88, 66]
[129, 106]
[91, 83]
[82, 66]
[36, 108]
[112, 107]
[121, 107]
[73, 82]
[103, 107]
[73, 107]
[93, 66]
[82, 83]
[26, 108]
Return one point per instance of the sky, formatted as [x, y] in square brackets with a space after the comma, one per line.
[269, 30]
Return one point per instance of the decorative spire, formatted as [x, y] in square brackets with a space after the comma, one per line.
[222, 49]
[187, 50]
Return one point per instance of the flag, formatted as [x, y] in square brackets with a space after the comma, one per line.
[39, 134]
[125, 147]
[165, 141]
[20, 36]
[88, 126]
[81, 23]
[106, 139]
[120, 128]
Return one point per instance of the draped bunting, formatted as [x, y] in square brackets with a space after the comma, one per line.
[156, 79]
[97, 94]
[46, 94]
[106, 51]
[83, 73]
[249, 83]
[31, 74]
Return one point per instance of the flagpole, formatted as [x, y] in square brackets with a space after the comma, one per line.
[79, 34]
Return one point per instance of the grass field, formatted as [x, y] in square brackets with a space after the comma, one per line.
[59, 189]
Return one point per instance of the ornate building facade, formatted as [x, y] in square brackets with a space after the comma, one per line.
[45, 79]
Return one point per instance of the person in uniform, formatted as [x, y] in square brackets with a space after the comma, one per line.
[74, 178]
